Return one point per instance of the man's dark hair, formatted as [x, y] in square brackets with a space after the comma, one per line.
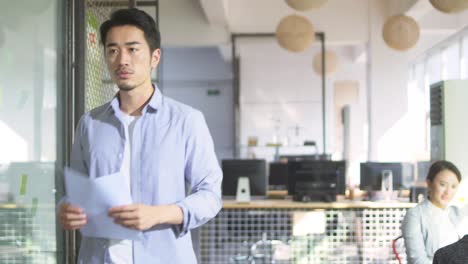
[133, 17]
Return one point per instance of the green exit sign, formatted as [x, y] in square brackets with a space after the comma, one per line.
[213, 92]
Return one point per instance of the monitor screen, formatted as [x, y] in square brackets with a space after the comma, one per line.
[371, 175]
[308, 171]
[254, 169]
[278, 175]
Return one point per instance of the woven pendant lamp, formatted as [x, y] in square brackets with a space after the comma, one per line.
[305, 5]
[450, 6]
[295, 33]
[401, 32]
[331, 62]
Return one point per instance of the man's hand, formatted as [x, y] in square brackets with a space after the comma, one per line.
[143, 217]
[71, 217]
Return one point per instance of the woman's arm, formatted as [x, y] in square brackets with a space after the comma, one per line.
[414, 240]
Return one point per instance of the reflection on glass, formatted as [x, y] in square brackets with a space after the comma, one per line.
[29, 77]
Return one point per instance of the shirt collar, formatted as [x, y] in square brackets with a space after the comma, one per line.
[156, 99]
[154, 103]
[437, 209]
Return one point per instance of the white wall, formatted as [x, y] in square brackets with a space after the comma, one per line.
[277, 84]
[390, 134]
[187, 75]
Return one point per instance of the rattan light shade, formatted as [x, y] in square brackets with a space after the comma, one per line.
[401, 32]
[295, 33]
[450, 6]
[304, 5]
[331, 62]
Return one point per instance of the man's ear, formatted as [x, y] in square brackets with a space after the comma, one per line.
[155, 57]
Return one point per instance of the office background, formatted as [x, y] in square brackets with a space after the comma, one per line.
[51, 72]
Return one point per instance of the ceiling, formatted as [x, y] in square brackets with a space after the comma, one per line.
[347, 24]
[342, 21]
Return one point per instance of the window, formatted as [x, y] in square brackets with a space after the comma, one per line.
[31, 48]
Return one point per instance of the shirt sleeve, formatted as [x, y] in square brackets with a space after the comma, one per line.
[202, 173]
[414, 240]
[77, 161]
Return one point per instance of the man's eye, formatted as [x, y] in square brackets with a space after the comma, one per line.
[112, 51]
[133, 50]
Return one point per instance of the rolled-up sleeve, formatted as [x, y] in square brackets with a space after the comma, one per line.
[414, 240]
[203, 174]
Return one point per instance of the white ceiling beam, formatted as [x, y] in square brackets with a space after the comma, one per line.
[438, 31]
[215, 12]
[419, 10]
[431, 21]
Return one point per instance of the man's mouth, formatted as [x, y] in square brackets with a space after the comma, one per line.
[123, 74]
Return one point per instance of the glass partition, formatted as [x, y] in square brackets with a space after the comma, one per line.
[31, 129]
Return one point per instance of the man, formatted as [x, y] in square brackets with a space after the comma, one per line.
[156, 143]
[456, 253]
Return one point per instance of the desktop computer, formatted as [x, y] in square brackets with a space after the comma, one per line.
[316, 180]
[383, 180]
[278, 176]
[253, 169]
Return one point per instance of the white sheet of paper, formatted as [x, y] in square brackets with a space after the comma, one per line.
[96, 196]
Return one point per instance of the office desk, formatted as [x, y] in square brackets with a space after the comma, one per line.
[340, 232]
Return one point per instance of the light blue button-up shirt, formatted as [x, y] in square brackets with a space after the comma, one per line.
[172, 147]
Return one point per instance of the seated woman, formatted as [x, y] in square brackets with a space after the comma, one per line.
[433, 224]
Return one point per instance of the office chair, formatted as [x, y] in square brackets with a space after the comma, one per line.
[398, 247]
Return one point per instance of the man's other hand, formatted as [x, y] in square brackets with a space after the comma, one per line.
[71, 217]
[142, 217]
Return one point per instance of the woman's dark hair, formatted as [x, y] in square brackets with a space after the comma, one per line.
[441, 165]
[133, 17]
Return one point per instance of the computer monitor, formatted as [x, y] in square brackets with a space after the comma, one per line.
[254, 169]
[371, 175]
[278, 176]
[317, 171]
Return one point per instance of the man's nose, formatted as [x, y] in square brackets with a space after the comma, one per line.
[123, 58]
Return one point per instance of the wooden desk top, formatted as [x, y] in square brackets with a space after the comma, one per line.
[288, 204]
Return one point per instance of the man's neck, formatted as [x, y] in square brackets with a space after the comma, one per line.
[132, 102]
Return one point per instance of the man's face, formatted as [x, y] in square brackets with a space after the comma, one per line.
[128, 57]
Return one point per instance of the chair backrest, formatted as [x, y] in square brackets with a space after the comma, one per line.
[398, 247]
